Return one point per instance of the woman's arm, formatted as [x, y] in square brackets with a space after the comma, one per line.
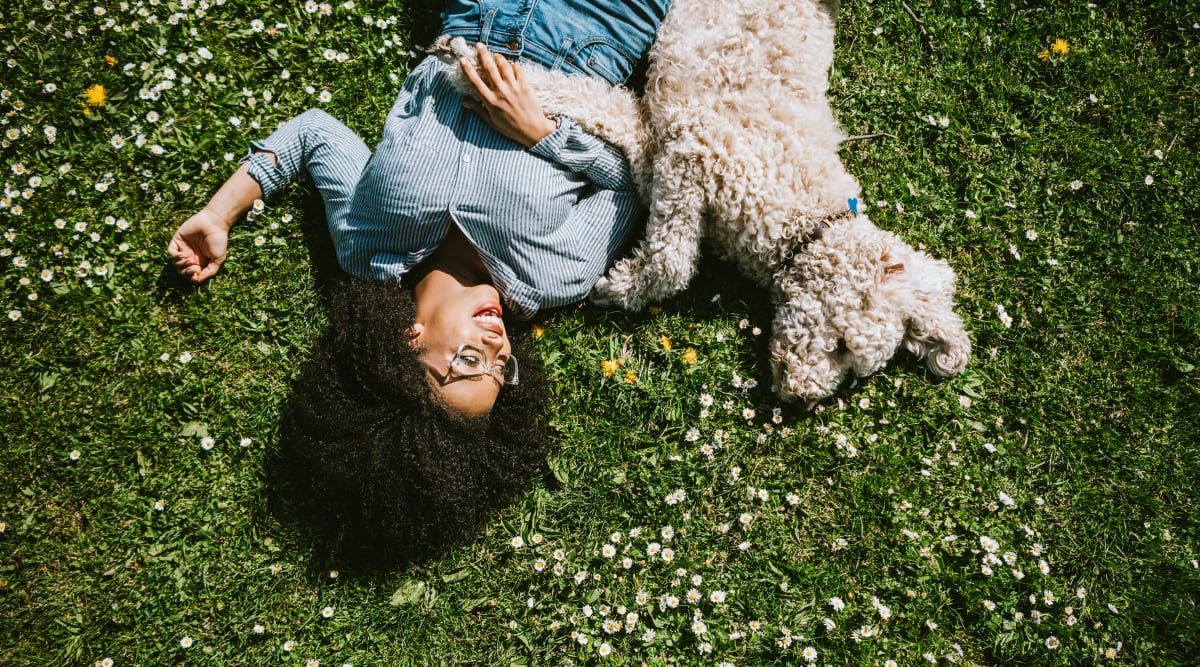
[506, 102]
[510, 107]
[599, 161]
[312, 142]
[198, 247]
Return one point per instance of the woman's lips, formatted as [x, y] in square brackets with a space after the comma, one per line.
[489, 309]
[487, 317]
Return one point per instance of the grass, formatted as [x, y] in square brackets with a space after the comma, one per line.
[1070, 439]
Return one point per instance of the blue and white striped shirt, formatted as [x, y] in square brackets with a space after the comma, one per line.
[546, 221]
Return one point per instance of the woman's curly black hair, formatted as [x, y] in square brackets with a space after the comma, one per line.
[389, 471]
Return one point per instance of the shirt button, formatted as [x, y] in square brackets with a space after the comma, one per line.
[514, 45]
[466, 158]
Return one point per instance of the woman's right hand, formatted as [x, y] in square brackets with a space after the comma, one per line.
[506, 102]
[198, 247]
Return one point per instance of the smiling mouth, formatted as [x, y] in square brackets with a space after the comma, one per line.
[488, 317]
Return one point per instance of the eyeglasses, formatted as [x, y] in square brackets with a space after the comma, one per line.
[470, 363]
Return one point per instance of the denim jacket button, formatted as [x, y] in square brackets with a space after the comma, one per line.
[514, 45]
[570, 59]
[591, 62]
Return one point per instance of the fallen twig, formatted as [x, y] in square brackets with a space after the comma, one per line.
[865, 137]
[925, 37]
[625, 347]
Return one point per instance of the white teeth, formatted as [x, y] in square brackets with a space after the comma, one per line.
[486, 318]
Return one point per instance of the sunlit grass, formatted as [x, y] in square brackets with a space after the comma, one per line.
[1037, 509]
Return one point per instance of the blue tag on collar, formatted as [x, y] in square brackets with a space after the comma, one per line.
[853, 202]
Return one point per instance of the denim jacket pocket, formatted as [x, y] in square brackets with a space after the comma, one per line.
[600, 56]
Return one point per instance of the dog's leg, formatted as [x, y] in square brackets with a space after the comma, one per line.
[664, 262]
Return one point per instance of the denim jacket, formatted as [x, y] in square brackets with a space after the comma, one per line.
[602, 38]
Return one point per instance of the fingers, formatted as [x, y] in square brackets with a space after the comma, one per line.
[192, 265]
[485, 93]
[180, 253]
[189, 267]
[506, 103]
[505, 67]
[206, 272]
[487, 60]
[494, 78]
[517, 73]
[198, 274]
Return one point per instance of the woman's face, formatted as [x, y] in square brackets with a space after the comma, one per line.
[457, 319]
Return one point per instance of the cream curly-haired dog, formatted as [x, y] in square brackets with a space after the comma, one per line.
[740, 147]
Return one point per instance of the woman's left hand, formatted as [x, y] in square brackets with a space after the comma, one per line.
[506, 104]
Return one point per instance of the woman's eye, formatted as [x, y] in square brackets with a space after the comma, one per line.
[470, 360]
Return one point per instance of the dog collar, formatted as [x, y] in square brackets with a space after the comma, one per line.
[815, 235]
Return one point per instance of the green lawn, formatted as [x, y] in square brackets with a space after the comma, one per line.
[140, 516]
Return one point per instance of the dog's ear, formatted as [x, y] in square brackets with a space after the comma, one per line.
[872, 334]
[938, 336]
[805, 371]
[807, 358]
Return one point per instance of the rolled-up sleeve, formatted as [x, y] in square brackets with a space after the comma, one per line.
[597, 160]
[597, 228]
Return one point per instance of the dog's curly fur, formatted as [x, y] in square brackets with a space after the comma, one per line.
[744, 147]
[742, 153]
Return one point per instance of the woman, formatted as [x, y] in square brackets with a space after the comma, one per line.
[414, 417]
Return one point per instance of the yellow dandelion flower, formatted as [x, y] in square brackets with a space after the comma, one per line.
[689, 356]
[538, 330]
[1043, 55]
[631, 377]
[1060, 47]
[110, 60]
[610, 366]
[654, 310]
[96, 96]
[665, 343]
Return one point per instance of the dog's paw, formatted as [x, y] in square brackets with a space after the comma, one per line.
[614, 290]
[449, 49]
[604, 293]
[951, 355]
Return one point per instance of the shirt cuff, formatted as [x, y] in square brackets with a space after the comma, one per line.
[268, 175]
[551, 145]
